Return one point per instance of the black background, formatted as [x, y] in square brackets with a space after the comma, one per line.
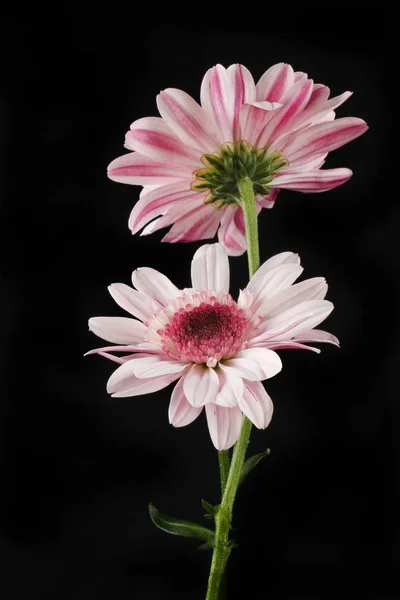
[320, 517]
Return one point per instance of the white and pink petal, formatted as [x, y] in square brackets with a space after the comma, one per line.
[210, 268]
[180, 412]
[256, 404]
[137, 169]
[224, 425]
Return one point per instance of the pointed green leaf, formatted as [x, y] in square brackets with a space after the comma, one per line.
[180, 527]
[212, 510]
[250, 463]
[205, 546]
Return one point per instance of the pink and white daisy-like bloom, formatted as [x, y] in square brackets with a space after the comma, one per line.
[219, 350]
[277, 132]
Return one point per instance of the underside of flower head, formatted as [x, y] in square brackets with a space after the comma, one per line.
[218, 350]
[277, 132]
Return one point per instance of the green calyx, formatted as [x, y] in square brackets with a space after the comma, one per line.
[232, 164]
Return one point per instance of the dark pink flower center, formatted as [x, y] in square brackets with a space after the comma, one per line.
[207, 332]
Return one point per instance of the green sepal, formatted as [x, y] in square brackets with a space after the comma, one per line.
[250, 463]
[180, 527]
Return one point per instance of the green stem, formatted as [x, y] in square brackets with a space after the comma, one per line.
[248, 204]
[224, 464]
[223, 519]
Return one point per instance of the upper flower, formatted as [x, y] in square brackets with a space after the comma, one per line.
[277, 132]
[219, 349]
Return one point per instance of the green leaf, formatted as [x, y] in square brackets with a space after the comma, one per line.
[252, 462]
[212, 511]
[180, 527]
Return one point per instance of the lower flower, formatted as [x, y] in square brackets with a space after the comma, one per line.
[218, 350]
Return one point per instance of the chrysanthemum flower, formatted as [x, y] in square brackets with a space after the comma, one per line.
[277, 132]
[219, 350]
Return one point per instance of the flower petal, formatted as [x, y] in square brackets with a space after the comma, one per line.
[230, 234]
[154, 284]
[224, 425]
[180, 412]
[230, 390]
[198, 224]
[158, 201]
[321, 138]
[119, 330]
[254, 364]
[136, 169]
[200, 385]
[267, 281]
[123, 382]
[316, 335]
[275, 83]
[244, 92]
[297, 319]
[317, 108]
[311, 181]
[155, 366]
[254, 117]
[256, 404]
[293, 103]
[210, 268]
[137, 304]
[310, 289]
[186, 119]
[217, 100]
[152, 137]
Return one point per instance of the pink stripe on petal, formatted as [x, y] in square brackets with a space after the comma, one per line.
[152, 137]
[174, 214]
[158, 201]
[293, 103]
[231, 233]
[136, 169]
[275, 82]
[324, 137]
[254, 117]
[218, 101]
[318, 110]
[201, 223]
[268, 201]
[244, 92]
[186, 119]
[312, 181]
[224, 425]
[180, 412]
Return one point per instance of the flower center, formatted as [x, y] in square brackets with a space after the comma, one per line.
[233, 163]
[206, 333]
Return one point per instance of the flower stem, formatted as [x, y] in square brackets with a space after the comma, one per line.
[223, 519]
[224, 464]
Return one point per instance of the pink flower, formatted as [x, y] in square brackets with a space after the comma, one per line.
[219, 350]
[278, 132]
